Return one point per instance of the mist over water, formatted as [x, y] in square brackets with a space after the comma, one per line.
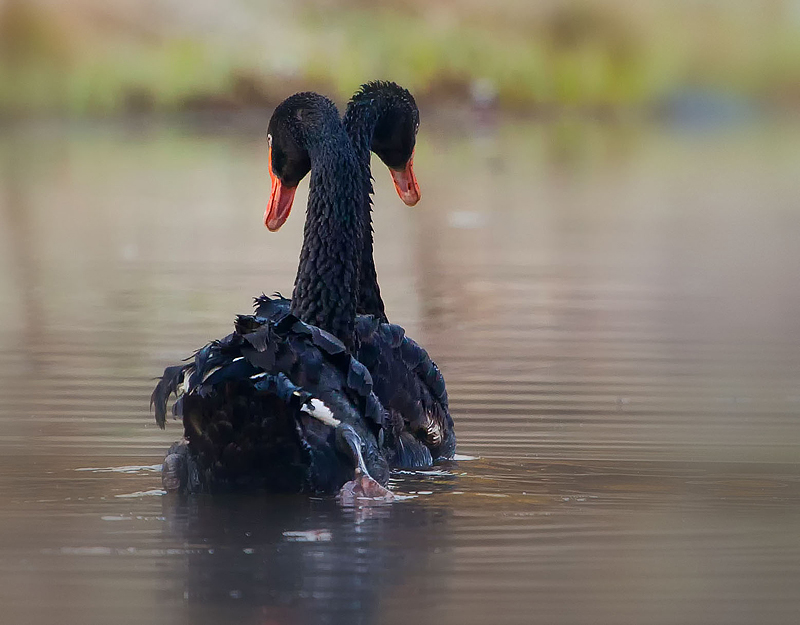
[614, 308]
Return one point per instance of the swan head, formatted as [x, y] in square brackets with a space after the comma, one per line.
[296, 122]
[395, 135]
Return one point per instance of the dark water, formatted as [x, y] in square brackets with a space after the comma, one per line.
[615, 309]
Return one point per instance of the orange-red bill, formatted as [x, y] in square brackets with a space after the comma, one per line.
[280, 205]
[280, 201]
[406, 183]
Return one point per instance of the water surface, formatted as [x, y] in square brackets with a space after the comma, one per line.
[614, 308]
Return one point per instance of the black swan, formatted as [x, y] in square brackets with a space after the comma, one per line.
[383, 117]
[280, 404]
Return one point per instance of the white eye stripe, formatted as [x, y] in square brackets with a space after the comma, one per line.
[269, 139]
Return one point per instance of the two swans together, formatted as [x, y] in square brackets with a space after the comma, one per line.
[321, 393]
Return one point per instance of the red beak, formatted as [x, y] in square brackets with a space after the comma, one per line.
[280, 201]
[406, 183]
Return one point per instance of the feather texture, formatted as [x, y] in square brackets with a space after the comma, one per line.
[252, 401]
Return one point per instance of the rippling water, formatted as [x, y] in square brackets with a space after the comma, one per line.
[615, 309]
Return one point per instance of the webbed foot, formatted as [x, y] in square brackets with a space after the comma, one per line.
[363, 490]
[174, 473]
[179, 471]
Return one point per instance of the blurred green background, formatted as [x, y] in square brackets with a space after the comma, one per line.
[101, 57]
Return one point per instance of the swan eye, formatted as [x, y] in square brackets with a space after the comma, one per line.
[269, 139]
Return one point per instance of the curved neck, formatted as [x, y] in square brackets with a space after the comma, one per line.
[326, 286]
[360, 120]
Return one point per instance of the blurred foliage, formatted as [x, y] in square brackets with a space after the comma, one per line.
[96, 57]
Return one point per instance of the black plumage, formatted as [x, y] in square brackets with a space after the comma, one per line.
[249, 426]
[382, 117]
[280, 403]
[409, 385]
[412, 390]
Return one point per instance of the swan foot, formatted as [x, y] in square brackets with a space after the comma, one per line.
[363, 490]
[180, 472]
[174, 472]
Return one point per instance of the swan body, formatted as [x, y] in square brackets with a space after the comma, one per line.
[280, 403]
[411, 388]
[264, 407]
[382, 117]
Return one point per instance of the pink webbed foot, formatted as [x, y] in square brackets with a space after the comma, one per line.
[363, 490]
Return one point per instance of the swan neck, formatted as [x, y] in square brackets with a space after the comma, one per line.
[360, 120]
[326, 287]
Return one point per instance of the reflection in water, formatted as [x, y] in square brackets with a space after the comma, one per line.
[614, 308]
[298, 560]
